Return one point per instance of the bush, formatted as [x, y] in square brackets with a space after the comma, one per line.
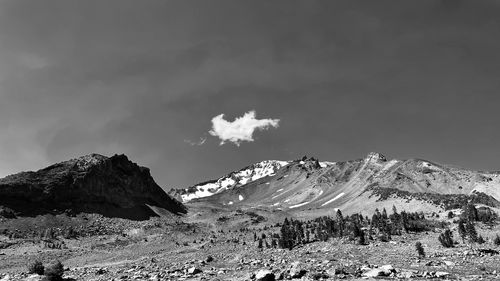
[36, 267]
[54, 272]
[446, 238]
[497, 240]
[480, 240]
[420, 250]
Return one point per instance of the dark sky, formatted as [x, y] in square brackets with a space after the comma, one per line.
[145, 78]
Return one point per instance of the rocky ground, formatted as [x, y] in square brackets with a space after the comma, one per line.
[207, 249]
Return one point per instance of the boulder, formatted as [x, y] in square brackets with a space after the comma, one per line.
[297, 271]
[384, 270]
[264, 275]
[441, 274]
[194, 270]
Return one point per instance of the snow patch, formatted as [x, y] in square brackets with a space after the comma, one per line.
[241, 197]
[230, 203]
[326, 164]
[331, 200]
[298, 205]
[235, 179]
[279, 190]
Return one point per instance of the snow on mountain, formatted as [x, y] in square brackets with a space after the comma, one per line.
[232, 180]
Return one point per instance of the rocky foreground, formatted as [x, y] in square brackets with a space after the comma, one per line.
[173, 250]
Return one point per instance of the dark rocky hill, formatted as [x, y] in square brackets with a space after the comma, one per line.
[111, 186]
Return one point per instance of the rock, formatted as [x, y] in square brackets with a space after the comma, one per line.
[384, 270]
[296, 271]
[388, 269]
[193, 270]
[449, 263]
[441, 274]
[406, 275]
[264, 275]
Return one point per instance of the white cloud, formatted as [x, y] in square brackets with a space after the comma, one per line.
[241, 129]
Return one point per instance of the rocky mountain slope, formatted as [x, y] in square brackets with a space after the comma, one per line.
[112, 186]
[229, 181]
[363, 184]
[233, 180]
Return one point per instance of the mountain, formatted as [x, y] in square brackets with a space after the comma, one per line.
[229, 181]
[112, 186]
[361, 184]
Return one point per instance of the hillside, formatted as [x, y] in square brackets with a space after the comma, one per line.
[113, 186]
[363, 184]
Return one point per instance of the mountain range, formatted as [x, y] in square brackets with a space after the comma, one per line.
[355, 185]
[116, 187]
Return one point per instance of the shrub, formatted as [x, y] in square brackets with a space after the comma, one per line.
[446, 238]
[480, 240]
[497, 240]
[36, 267]
[54, 272]
[420, 250]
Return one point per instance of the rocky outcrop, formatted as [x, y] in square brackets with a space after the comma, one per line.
[111, 186]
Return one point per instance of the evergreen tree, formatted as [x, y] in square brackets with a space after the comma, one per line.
[471, 231]
[461, 230]
[420, 250]
[470, 212]
[340, 222]
[260, 244]
[446, 238]
[273, 243]
[362, 240]
[480, 239]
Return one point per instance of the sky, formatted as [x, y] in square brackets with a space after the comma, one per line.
[196, 89]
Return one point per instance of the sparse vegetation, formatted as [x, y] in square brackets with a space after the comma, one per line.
[446, 238]
[420, 250]
[54, 272]
[36, 267]
[496, 240]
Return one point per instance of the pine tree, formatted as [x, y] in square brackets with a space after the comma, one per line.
[461, 230]
[446, 238]
[362, 240]
[384, 214]
[470, 212]
[480, 239]
[394, 210]
[420, 250]
[471, 231]
[260, 244]
[274, 244]
[340, 222]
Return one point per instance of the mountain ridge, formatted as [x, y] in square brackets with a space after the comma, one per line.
[113, 186]
[306, 184]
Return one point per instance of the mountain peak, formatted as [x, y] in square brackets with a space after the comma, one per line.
[375, 156]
